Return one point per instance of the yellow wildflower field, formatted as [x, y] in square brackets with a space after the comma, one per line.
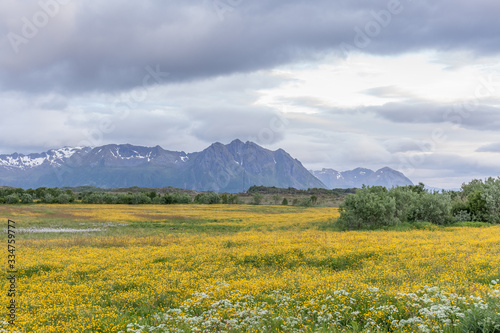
[140, 267]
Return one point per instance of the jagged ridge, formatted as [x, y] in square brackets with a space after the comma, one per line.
[229, 168]
[358, 177]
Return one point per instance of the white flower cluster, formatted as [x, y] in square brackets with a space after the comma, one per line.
[4, 327]
[220, 309]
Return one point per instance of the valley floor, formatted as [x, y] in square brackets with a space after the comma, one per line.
[238, 268]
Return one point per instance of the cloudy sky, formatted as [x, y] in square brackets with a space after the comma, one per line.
[409, 84]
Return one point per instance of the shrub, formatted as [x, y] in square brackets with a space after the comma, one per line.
[491, 196]
[404, 198]
[376, 207]
[140, 199]
[306, 202]
[257, 198]
[12, 199]
[207, 198]
[431, 207]
[233, 199]
[369, 208]
[63, 198]
[463, 216]
[48, 198]
[26, 198]
[477, 205]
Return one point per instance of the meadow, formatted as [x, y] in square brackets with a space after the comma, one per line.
[244, 268]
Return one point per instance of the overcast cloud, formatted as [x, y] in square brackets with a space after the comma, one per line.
[411, 84]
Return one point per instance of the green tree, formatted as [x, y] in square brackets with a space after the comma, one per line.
[47, 198]
[63, 198]
[12, 199]
[491, 196]
[285, 202]
[369, 208]
[26, 198]
[477, 205]
[257, 198]
[208, 198]
[276, 199]
[182, 198]
[432, 207]
[233, 199]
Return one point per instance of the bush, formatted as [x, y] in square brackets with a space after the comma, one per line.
[94, 198]
[477, 205]
[26, 198]
[233, 199]
[48, 198]
[431, 207]
[369, 208]
[63, 198]
[110, 199]
[12, 199]
[207, 198]
[481, 199]
[285, 202]
[257, 198]
[176, 198]
[491, 195]
[306, 202]
[463, 216]
[140, 199]
[376, 207]
[404, 198]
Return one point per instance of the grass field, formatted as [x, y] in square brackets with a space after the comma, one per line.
[233, 268]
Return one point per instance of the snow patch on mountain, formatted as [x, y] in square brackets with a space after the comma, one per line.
[53, 157]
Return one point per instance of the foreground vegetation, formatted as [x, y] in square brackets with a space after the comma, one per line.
[243, 268]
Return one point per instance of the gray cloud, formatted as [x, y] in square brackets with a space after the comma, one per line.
[201, 72]
[388, 92]
[490, 148]
[106, 46]
[479, 117]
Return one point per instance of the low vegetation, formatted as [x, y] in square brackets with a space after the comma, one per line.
[377, 207]
[247, 268]
[256, 195]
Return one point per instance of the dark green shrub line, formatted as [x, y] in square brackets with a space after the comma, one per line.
[93, 195]
[377, 207]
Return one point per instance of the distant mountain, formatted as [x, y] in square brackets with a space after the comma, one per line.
[358, 177]
[223, 168]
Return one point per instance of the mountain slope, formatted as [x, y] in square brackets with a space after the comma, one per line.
[237, 166]
[224, 168]
[358, 177]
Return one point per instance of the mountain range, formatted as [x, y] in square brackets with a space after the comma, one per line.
[358, 177]
[222, 168]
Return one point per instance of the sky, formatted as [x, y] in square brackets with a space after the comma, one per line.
[409, 84]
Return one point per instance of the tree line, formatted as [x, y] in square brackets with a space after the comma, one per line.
[11, 195]
[377, 207]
